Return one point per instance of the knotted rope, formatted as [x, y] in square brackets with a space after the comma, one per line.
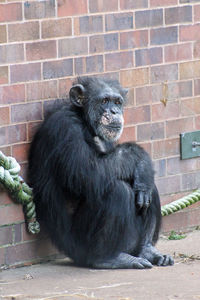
[22, 193]
[19, 190]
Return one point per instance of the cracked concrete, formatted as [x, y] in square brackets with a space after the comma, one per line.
[60, 279]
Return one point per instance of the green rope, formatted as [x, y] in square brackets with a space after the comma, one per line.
[180, 203]
[19, 190]
[22, 193]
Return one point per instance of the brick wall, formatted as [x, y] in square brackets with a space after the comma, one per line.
[151, 46]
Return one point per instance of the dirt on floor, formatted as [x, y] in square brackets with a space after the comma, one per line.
[60, 279]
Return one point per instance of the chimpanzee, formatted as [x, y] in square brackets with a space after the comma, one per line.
[96, 198]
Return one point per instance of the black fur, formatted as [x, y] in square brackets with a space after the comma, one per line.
[98, 200]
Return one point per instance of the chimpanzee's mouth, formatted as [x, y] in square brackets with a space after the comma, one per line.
[113, 126]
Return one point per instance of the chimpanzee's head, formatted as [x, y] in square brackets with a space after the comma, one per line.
[101, 101]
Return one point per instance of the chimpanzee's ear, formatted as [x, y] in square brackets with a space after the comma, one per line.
[125, 91]
[76, 94]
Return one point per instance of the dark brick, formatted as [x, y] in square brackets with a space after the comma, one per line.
[41, 90]
[118, 61]
[160, 167]
[17, 233]
[88, 24]
[11, 53]
[119, 21]
[175, 127]
[5, 235]
[103, 42]
[169, 185]
[197, 87]
[150, 132]
[39, 10]
[148, 94]
[56, 28]
[188, 1]
[41, 50]
[12, 94]
[196, 50]
[12, 134]
[149, 18]
[4, 115]
[158, 3]
[32, 128]
[160, 36]
[3, 34]
[2, 256]
[177, 166]
[103, 5]
[133, 39]
[148, 56]
[3, 74]
[130, 4]
[174, 15]
[180, 89]
[165, 148]
[25, 72]
[190, 181]
[164, 72]
[59, 68]
[91, 64]
[23, 31]
[26, 112]
[73, 46]
[128, 134]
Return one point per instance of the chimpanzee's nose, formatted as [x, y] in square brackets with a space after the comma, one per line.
[113, 111]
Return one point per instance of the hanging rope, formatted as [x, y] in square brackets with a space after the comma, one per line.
[22, 193]
[19, 190]
[180, 203]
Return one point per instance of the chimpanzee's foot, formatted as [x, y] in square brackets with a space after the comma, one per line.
[155, 257]
[123, 261]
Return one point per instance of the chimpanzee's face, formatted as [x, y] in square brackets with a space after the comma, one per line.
[102, 103]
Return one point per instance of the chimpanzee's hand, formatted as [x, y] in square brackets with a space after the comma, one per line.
[143, 197]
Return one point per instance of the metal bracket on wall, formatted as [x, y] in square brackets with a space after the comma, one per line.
[190, 144]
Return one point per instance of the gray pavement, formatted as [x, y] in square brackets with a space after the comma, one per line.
[61, 280]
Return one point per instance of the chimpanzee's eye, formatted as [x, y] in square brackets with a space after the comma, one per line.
[105, 100]
[117, 102]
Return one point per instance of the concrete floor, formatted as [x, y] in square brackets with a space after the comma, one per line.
[61, 280]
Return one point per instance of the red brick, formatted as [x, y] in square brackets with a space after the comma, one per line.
[32, 128]
[178, 52]
[196, 51]
[147, 132]
[12, 94]
[176, 90]
[26, 112]
[189, 70]
[197, 87]
[39, 10]
[89, 64]
[166, 148]
[4, 115]
[133, 39]
[6, 151]
[103, 5]
[73, 46]
[161, 36]
[64, 87]
[10, 12]
[118, 61]
[17, 238]
[88, 24]
[158, 3]
[196, 13]
[20, 152]
[41, 50]
[160, 167]
[5, 235]
[149, 18]
[130, 97]
[148, 94]
[119, 21]
[163, 73]
[177, 166]
[11, 53]
[4, 197]
[103, 42]
[136, 77]
[12, 134]
[3, 34]
[148, 56]
[128, 135]
[70, 8]
[2, 256]
[136, 115]
[175, 127]
[147, 147]
[168, 185]
[11, 214]
[161, 112]
[56, 28]
[174, 15]
[129, 4]
[27, 236]
[190, 107]
[23, 31]
[3, 74]
[25, 72]
[58, 68]
[41, 90]
[197, 123]
[189, 32]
